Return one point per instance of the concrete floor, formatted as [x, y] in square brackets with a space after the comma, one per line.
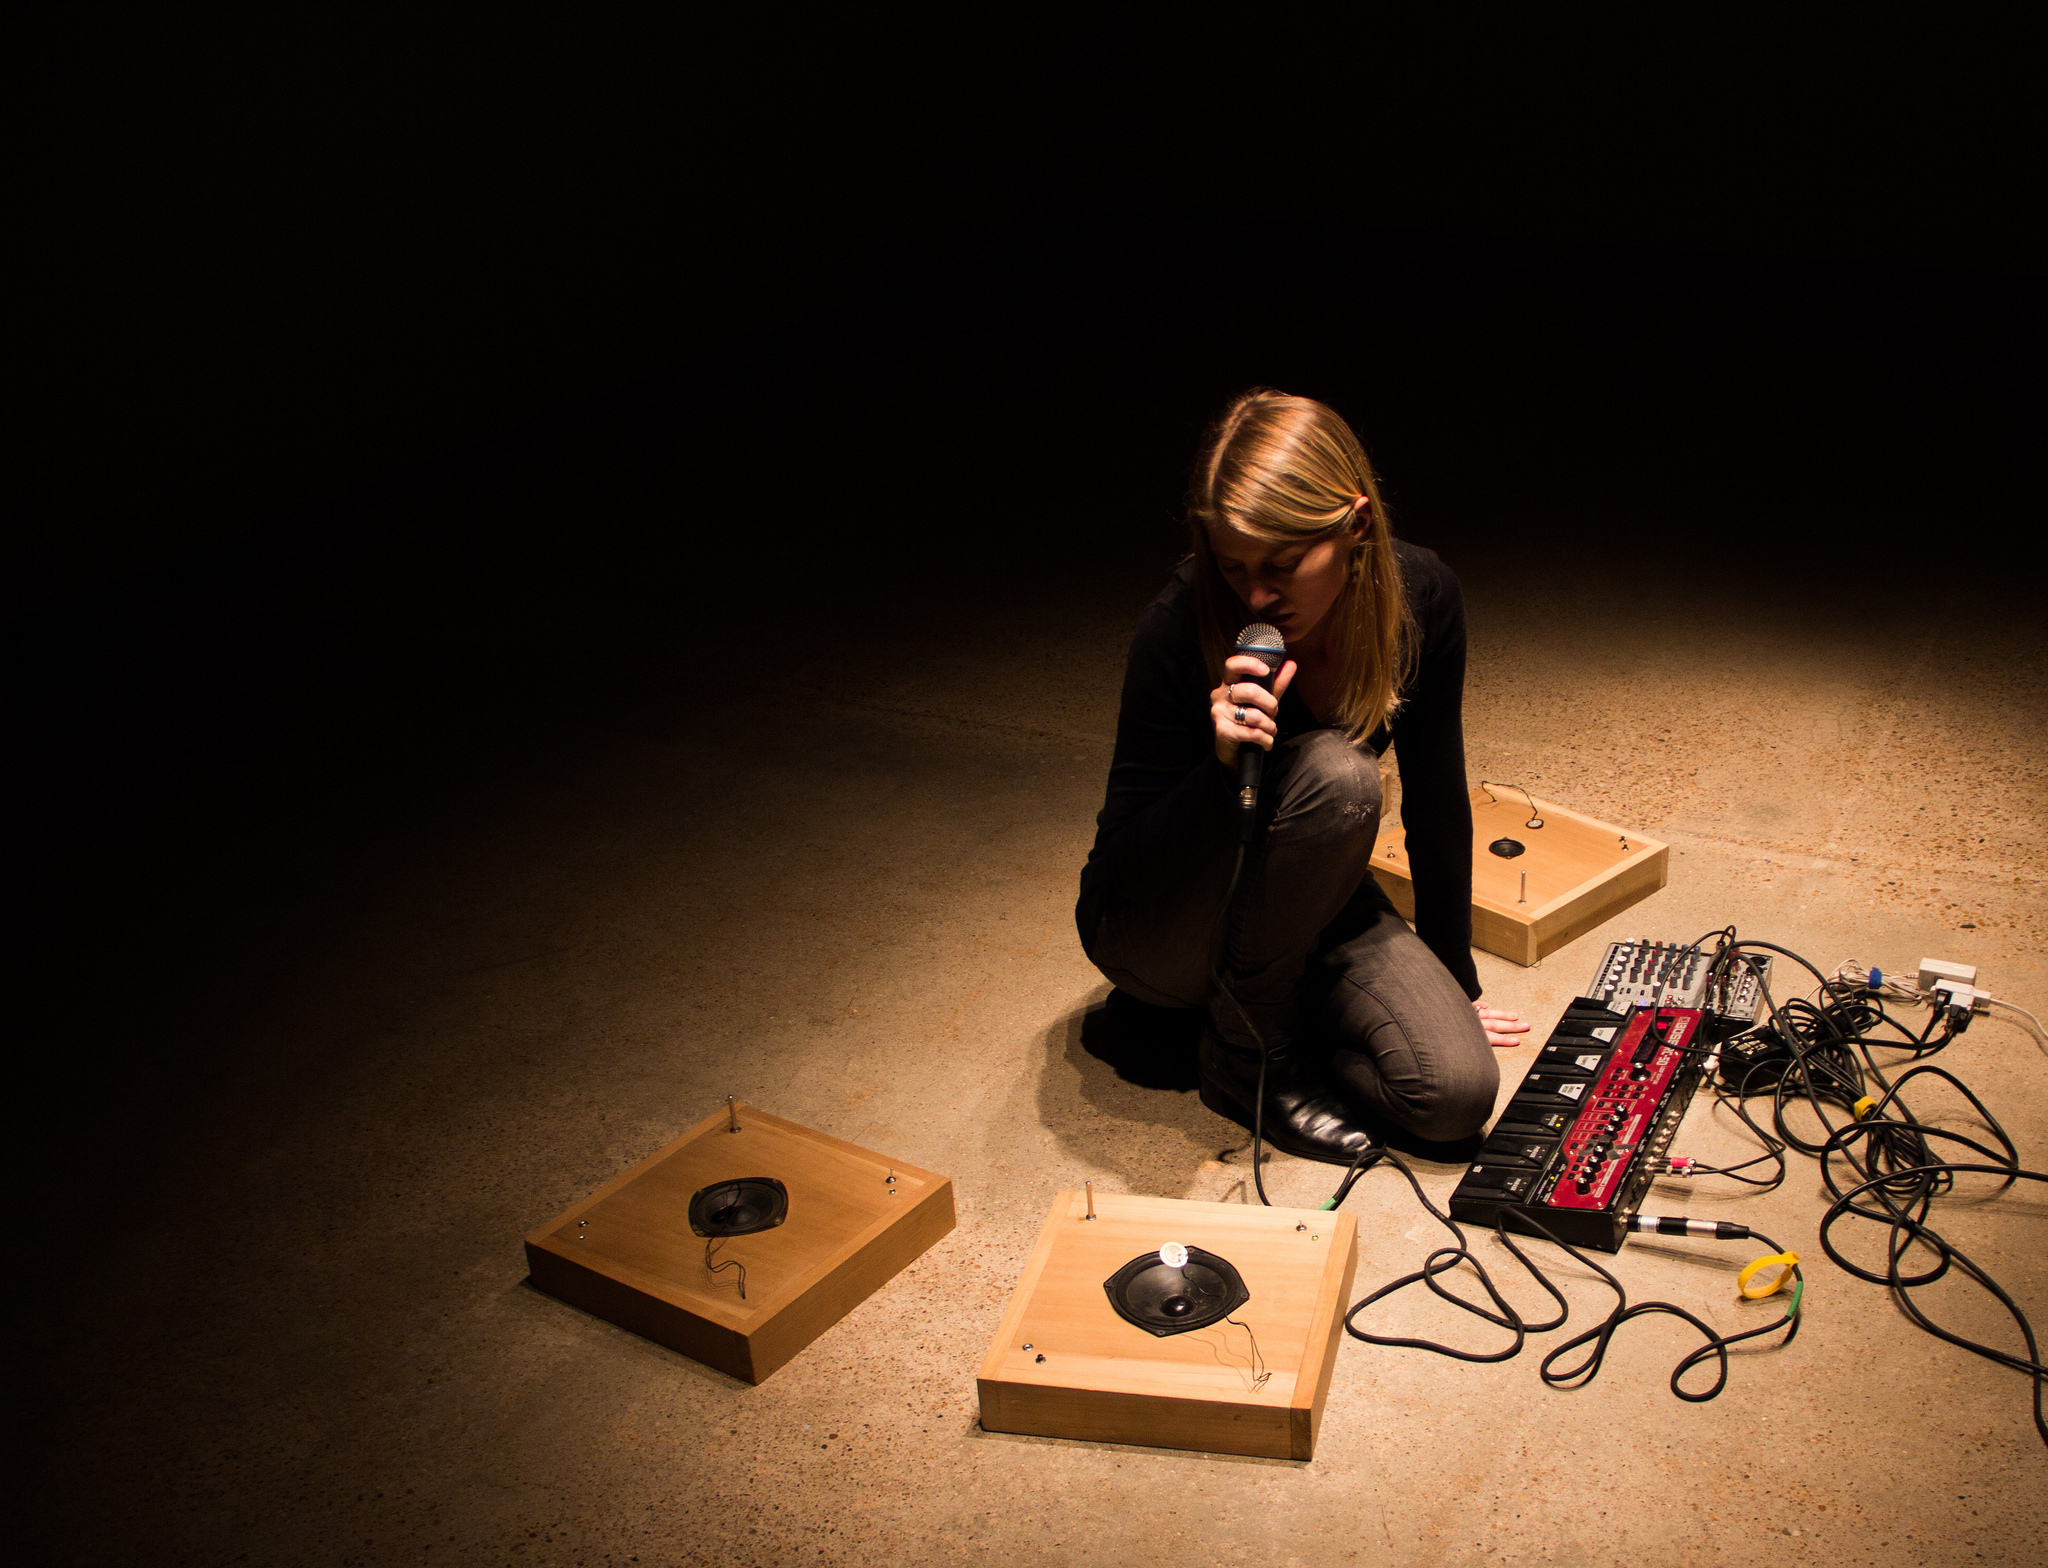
[293, 1323]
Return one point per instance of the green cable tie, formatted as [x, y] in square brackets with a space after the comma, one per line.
[1798, 1290]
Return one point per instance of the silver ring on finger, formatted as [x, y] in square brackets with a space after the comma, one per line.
[1240, 718]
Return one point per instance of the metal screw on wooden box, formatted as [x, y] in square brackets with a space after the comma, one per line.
[1574, 874]
[816, 1238]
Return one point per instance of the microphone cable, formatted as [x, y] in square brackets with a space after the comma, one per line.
[1367, 1156]
[1219, 936]
[1266, 648]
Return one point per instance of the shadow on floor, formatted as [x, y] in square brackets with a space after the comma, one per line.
[1152, 1047]
[1119, 1100]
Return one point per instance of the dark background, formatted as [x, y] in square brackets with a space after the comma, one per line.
[281, 259]
[399, 396]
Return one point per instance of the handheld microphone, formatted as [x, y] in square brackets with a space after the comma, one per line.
[1263, 643]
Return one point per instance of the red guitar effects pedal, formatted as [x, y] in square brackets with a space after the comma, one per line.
[1587, 1132]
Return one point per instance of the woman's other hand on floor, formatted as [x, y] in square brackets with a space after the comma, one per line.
[1243, 710]
[1502, 1027]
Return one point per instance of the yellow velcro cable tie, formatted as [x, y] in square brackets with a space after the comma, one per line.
[1790, 1260]
[1863, 1107]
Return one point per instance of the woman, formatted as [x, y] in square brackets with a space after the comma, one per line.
[1364, 1023]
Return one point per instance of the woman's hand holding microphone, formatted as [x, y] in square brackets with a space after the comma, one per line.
[1243, 711]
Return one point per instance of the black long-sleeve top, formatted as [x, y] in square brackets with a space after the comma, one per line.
[1163, 734]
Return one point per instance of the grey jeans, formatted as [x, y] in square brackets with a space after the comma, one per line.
[1312, 947]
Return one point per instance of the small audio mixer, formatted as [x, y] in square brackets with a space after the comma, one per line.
[1588, 1130]
[1631, 973]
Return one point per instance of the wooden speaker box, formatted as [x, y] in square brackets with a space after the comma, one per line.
[1066, 1362]
[1579, 871]
[628, 1253]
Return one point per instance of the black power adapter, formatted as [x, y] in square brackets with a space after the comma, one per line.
[1754, 1062]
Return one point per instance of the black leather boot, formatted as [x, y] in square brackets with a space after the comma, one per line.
[1303, 1117]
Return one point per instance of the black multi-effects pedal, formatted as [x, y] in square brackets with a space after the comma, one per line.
[1591, 1126]
[1589, 1129]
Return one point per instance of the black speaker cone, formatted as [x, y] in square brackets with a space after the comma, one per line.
[739, 1207]
[1507, 848]
[1163, 1300]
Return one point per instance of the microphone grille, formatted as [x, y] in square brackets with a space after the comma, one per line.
[1261, 638]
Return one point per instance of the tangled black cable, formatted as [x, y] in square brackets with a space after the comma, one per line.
[1878, 1163]
[1598, 1337]
[1900, 1198]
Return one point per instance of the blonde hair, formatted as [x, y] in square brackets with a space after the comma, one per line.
[1288, 470]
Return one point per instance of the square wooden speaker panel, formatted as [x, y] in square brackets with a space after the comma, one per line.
[1226, 1343]
[1535, 889]
[806, 1225]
